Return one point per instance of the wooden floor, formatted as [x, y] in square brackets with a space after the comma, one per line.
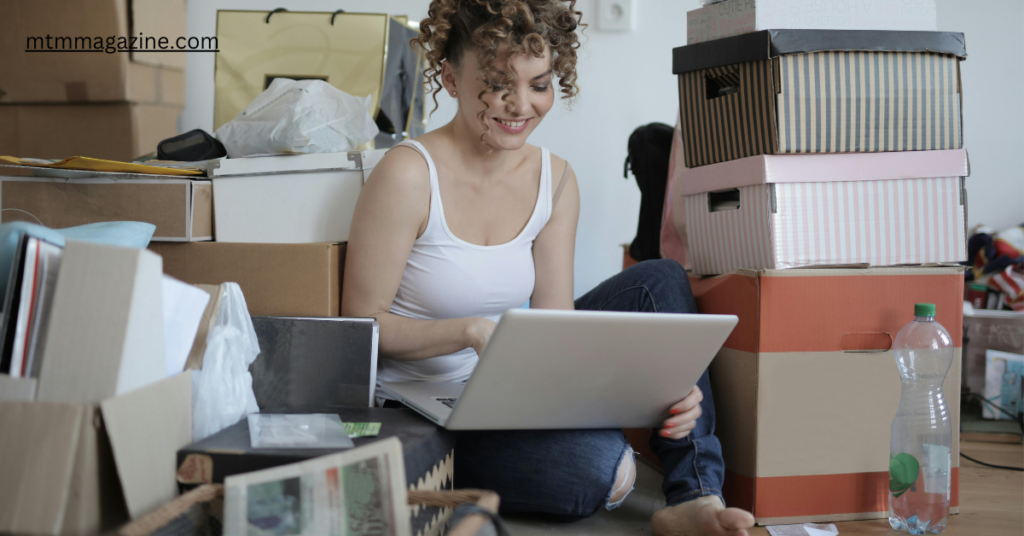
[991, 500]
[991, 503]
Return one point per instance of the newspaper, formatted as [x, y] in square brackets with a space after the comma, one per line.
[356, 492]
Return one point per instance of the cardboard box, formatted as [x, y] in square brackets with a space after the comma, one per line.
[276, 279]
[59, 76]
[96, 445]
[289, 199]
[778, 211]
[109, 131]
[181, 208]
[735, 17]
[83, 468]
[806, 386]
[819, 91]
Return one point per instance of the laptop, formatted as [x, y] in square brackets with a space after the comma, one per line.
[552, 369]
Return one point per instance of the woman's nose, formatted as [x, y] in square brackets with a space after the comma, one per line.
[518, 103]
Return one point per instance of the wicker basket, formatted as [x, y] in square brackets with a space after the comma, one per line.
[200, 512]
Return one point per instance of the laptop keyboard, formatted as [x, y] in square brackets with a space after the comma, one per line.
[450, 402]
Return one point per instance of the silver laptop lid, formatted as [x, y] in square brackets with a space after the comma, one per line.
[550, 369]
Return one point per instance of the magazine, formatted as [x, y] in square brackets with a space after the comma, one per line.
[357, 492]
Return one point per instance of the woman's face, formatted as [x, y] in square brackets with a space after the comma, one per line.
[508, 122]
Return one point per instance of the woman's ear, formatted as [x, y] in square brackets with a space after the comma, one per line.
[448, 79]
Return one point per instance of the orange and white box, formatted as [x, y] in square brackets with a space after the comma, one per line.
[792, 211]
[806, 387]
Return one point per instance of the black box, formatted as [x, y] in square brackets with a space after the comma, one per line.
[429, 456]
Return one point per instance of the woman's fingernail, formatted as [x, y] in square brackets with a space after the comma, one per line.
[665, 433]
[673, 411]
[669, 425]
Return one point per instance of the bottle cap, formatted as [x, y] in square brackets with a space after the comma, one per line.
[924, 309]
[978, 286]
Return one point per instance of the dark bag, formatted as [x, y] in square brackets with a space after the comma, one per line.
[192, 146]
[650, 147]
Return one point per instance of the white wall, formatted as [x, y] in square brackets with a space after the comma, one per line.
[993, 105]
[626, 81]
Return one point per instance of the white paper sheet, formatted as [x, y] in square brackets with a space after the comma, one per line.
[183, 309]
[806, 529]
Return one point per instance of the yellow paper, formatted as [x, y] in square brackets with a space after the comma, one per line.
[96, 164]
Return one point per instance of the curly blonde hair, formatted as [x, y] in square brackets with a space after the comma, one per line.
[523, 26]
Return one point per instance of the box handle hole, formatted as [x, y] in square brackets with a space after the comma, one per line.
[866, 342]
[722, 84]
[724, 200]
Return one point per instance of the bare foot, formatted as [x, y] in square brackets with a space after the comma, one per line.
[706, 516]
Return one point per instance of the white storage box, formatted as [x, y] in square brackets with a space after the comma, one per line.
[735, 17]
[787, 211]
[292, 199]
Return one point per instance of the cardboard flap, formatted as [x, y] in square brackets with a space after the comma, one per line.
[37, 454]
[146, 428]
[17, 389]
[106, 326]
[195, 356]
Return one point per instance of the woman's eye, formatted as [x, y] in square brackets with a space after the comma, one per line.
[541, 89]
[498, 88]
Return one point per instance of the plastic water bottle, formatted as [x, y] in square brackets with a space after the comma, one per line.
[922, 435]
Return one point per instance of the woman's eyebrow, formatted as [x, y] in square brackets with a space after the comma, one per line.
[541, 75]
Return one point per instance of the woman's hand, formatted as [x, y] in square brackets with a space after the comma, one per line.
[685, 412]
[478, 332]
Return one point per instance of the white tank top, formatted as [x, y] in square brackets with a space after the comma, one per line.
[446, 277]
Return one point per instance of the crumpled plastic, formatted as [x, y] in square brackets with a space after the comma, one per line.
[304, 116]
[222, 391]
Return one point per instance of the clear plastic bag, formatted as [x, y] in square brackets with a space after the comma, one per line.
[222, 391]
[304, 116]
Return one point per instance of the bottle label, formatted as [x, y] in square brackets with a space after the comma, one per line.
[937, 461]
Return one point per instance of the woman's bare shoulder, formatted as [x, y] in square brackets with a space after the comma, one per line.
[559, 170]
[404, 168]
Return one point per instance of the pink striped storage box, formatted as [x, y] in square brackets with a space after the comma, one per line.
[790, 211]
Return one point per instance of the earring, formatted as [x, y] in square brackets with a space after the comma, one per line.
[455, 94]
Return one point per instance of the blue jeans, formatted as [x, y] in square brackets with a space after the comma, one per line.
[569, 473]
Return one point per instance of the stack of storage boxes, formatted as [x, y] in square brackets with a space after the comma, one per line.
[824, 187]
[281, 226]
[82, 91]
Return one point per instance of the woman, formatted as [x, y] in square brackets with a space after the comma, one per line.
[437, 275]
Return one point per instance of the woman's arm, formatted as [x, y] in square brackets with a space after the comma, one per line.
[555, 246]
[391, 213]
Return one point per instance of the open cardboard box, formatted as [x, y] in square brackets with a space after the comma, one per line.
[95, 444]
[73, 468]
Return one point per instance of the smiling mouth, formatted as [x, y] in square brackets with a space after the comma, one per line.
[512, 127]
